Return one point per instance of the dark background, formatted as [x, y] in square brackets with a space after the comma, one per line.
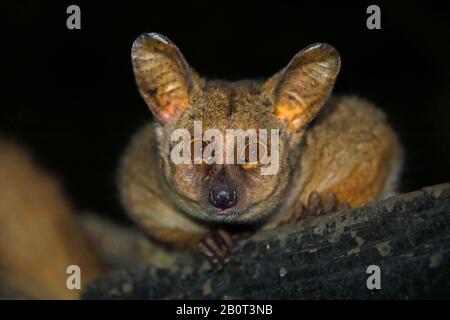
[70, 96]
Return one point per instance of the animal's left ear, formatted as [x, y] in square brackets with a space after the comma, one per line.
[304, 85]
[162, 75]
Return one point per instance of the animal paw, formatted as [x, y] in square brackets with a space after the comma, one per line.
[317, 205]
[218, 247]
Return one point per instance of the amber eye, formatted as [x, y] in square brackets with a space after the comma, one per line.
[197, 150]
[262, 151]
[249, 156]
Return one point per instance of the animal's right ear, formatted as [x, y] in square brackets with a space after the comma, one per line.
[301, 89]
[162, 75]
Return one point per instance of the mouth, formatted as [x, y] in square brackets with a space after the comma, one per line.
[225, 212]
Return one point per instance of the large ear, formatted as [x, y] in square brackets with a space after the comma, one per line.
[162, 75]
[304, 85]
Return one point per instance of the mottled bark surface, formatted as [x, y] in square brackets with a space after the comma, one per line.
[407, 236]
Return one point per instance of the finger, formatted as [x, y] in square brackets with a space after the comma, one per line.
[329, 202]
[213, 243]
[226, 240]
[299, 210]
[313, 204]
[208, 253]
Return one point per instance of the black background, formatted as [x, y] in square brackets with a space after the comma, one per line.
[70, 97]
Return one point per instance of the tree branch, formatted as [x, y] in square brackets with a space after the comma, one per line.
[407, 236]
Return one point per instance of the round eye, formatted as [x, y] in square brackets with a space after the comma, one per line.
[262, 151]
[253, 153]
[249, 156]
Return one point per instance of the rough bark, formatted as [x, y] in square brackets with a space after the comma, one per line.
[407, 236]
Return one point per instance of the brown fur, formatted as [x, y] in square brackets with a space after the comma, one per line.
[327, 144]
[39, 234]
[349, 149]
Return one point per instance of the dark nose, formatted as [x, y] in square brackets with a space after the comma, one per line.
[222, 197]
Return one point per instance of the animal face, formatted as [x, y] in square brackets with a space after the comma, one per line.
[236, 143]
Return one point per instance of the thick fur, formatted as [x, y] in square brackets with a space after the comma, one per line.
[40, 236]
[327, 144]
[349, 149]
